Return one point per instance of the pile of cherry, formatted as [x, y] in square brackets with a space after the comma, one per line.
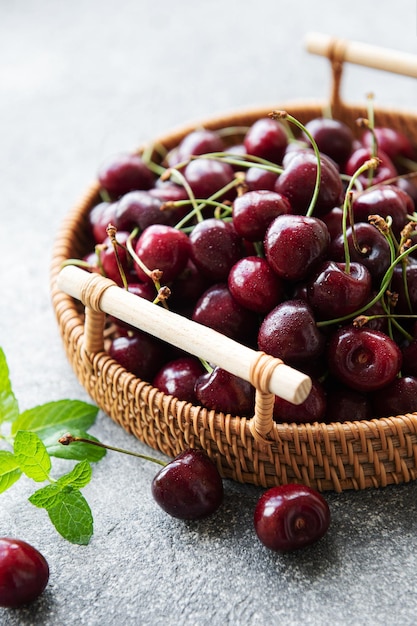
[295, 240]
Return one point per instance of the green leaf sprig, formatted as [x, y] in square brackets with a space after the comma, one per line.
[29, 440]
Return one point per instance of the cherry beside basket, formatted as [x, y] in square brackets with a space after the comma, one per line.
[327, 456]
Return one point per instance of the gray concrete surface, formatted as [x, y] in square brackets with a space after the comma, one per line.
[81, 80]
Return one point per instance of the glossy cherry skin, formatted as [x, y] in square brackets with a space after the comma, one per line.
[24, 573]
[222, 391]
[254, 211]
[164, 248]
[189, 487]
[298, 180]
[398, 398]
[214, 248]
[289, 517]
[100, 217]
[267, 139]
[295, 245]
[125, 172]
[333, 138]
[141, 209]
[139, 353]
[384, 200]
[218, 309]
[372, 249]
[255, 285]
[345, 405]
[392, 142]
[363, 359]
[259, 179]
[311, 410]
[289, 332]
[384, 171]
[333, 292]
[178, 377]
[207, 176]
[197, 142]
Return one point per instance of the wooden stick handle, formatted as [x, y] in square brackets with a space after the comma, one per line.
[99, 293]
[362, 54]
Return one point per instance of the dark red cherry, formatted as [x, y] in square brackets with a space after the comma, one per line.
[24, 573]
[222, 391]
[164, 248]
[177, 378]
[363, 359]
[384, 171]
[189, 487]
[367, 245]
[290, 333]
[108, 259]
[214, 248]
[257, 179]
[386, 201]
[218, 309]
[100, 217]
[141, 209]
[335, 292]
[288, 517]
[298, 180]
[404, 283]
[207, 176]
[125, 172]
[311, 410]
[398, 398]
[346, 405]
[409, 352]
[333, 138]
[255, 285]
[392, 142]
[295, 245]
[267, 139]
[197, 142]
[254, 211]
[139, 353]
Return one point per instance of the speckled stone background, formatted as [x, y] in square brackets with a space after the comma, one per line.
[81, 80]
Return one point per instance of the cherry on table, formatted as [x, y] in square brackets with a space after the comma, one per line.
[289, 517]
[24, 573]
[189, 487]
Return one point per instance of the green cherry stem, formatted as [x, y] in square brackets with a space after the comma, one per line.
[68, 439]
[283, 115]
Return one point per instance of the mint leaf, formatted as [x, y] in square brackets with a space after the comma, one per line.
[59, 416]
[78, 451]
[32, 455]
[9, 409]
[9, 470]
[72, 517]
[79, 477]
[51, 495]
[48, 496]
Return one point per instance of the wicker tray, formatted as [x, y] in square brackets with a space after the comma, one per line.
[335, 456]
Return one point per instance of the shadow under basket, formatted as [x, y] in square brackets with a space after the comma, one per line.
[326, 456]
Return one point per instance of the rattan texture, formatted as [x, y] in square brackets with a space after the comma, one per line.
[336, 456]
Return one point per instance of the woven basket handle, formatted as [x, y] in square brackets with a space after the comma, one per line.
[339, 51]
[269, 375]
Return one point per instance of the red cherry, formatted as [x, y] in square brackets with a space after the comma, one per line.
[288, 517]
[189, 487]
[24, 573]
[363, 359]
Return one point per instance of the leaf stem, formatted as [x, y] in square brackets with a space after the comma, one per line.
[67, 439]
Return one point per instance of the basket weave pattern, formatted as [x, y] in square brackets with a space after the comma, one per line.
[336, 456]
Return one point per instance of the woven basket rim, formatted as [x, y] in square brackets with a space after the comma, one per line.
[342, 434]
